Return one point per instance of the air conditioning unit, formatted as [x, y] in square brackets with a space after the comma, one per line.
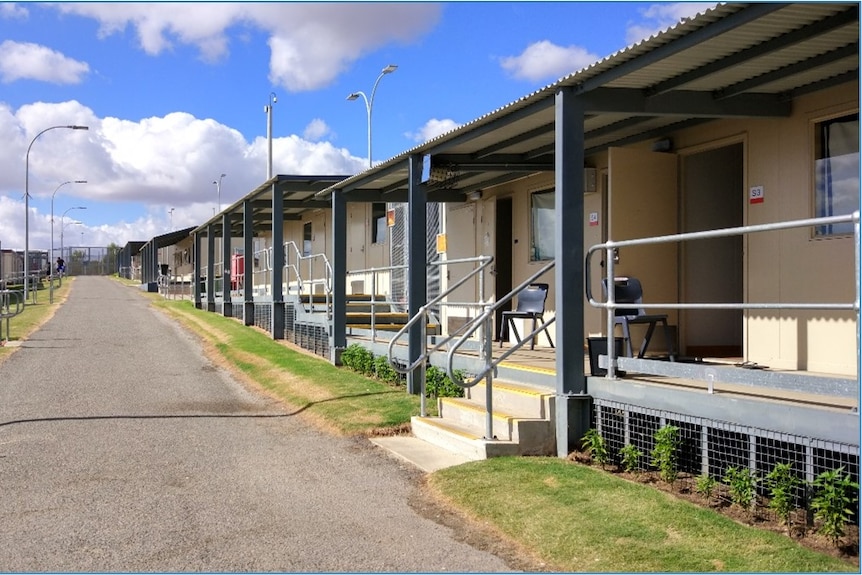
[590, 181]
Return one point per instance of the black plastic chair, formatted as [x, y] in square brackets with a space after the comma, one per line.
[531, 305]
[628, 290]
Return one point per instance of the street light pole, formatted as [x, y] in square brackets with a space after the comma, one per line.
[217, 184]
[51, 257]
[369, 102]
[171, 213]
[27, 202]
[268, 110]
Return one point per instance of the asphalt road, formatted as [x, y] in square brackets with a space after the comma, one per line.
[122, 448]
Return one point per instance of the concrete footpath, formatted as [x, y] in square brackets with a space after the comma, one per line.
[122, 448]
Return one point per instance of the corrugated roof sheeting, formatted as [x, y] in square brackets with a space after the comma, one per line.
[724, 52]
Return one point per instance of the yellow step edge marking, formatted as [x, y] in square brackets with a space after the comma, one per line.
[439, 423]
[474, 407]
[520, 367]
[514, 388]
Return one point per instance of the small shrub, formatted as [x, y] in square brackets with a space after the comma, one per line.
[439, 384]
[358, 359]
[384, 371]
[630, 458]
[742, 483]
[781, 484]
[705, 484]
[834, 493]
[348, 356]
[664, 452]
[594, 444]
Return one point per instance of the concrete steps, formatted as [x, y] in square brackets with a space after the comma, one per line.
[522, 423]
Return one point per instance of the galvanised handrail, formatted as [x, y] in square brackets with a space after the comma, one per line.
[374, 302]
[490, 370]
[325, 281]
[421, 314]
[6, 310]
[486, 316]
[611, 305]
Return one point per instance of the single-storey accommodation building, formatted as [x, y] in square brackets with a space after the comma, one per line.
[716, 162]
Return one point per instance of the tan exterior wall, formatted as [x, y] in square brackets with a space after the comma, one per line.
[362, 254]
[791, 266]
[788, 266]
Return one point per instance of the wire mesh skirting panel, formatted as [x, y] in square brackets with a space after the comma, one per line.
[289, 319]
[712, 447]
[237, 309]
[263, 316]
[311, 337]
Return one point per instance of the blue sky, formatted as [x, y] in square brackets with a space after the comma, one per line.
[174, 95]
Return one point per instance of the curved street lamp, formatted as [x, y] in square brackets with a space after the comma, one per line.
[51, 257]
[27, 202]
[217, 184]
[369, 102]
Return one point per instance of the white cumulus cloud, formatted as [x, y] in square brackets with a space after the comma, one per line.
[310, 43]
[658, 17]
[160, 162]
[12, 10]
[432, 129]
[25, 60]
[316, 130]
[544, 60]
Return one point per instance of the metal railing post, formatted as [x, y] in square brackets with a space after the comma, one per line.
[612, 310]
[489, 378]
[610, 304]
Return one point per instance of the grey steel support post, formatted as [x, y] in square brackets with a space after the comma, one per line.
[338, 334]
[856, 237]
[572, 401]
[156, 271]
[248, 263]
[277, 288]
[211, 267]
[196, 276]
[227, 307]
[417, 259]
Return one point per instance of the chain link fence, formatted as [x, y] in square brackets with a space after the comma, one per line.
[90, 260]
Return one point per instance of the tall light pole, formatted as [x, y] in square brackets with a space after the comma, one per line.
[51, 257]
[217, 184]
[268, 110]
[27, 202]
[171, 213]
[62, 227]
[369, 102]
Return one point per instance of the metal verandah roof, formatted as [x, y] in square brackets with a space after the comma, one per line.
[734, 60]
[298, 193]
[167, 239]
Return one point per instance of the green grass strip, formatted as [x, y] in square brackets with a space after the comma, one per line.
[581, 519]
[34, 314]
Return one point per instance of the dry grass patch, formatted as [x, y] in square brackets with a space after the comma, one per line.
[335, 398]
